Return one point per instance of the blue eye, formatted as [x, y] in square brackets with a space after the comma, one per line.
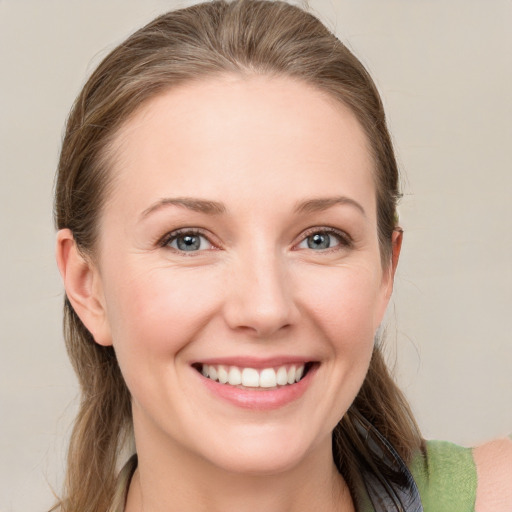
[188, 242]
[321, 240]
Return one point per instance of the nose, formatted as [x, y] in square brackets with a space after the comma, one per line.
[260, 299]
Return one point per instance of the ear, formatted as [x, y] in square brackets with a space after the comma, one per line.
[388, 275]
[396, 247]
[82, 282]
[389, 272]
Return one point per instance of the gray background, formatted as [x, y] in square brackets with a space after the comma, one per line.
[445, 72]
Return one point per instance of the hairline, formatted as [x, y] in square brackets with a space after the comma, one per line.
[109, 155]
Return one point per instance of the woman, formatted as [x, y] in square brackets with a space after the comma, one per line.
[226, 206]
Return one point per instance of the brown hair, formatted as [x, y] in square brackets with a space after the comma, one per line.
[248, 37]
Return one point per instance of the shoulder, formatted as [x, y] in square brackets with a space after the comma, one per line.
[493, 462]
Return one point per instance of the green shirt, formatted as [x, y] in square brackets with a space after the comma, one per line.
[446, 479]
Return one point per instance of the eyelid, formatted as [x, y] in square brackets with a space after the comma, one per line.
[344, 238]
[165, 240]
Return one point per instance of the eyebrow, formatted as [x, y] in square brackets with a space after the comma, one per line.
[196, 205]
[324, 203]
[216, 208]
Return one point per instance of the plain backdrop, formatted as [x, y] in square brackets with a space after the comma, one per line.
[444, 69]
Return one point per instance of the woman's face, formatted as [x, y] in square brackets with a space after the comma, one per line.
[240, 241]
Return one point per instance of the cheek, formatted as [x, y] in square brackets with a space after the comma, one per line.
[341, 303]
[345, 301]
[157, 313]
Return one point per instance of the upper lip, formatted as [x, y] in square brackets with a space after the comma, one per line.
[254, 362]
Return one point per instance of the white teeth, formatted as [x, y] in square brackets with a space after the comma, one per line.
[222, 373]
[268, 378]
[282, 376]
[291, 374]
[252, 378]
[234, 376]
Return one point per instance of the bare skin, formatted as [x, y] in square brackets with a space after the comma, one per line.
[271, 184]
[494, 470]
[294, 493]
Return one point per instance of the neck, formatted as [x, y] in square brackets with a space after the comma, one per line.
[173, 480]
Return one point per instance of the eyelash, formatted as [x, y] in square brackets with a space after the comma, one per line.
[345, 241]
[174, 235]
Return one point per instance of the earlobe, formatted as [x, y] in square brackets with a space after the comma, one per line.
[82, 283]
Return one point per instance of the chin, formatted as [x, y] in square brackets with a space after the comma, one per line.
[263, 463]
[264, 454]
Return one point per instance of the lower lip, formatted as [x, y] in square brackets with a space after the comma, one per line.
[260, 398]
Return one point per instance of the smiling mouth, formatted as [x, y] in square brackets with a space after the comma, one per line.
[264, 378]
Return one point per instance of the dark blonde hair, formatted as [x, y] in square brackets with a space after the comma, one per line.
[246, 37]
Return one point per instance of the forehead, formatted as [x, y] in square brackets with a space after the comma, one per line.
[227, 135]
